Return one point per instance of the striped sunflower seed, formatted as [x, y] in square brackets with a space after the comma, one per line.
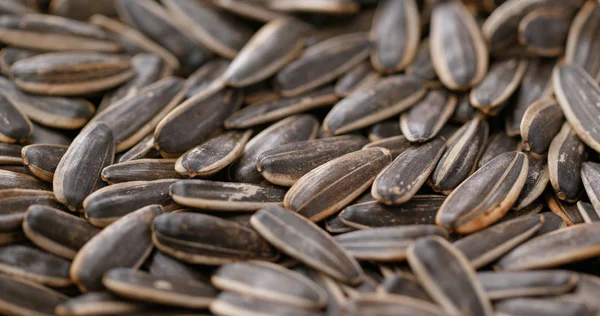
[140, 170]
[203, 239]
[396, 145]
[565, 157]
[401, 180]
[498, 144]
[442, 281]
[484, 197]
[20, 297]
[328, 188]
[41, 160]
[582, 40]
[106, 250]
[74, 9]
[405, 284]
[567, 211]
[33, 264]
[385, 129]
[286, 164]
[360, 76]
[422, 65]
[542, 307]
[55, 231]
[537, 180]
[10, 55]
[15, 126]
[316, 6]
[144, 149]
[544, 31]
[260, 92]
[334, 225]
[44, 135]
[499, 84]
[290, 232]
[464, 111]
[16, 7]
[426, 118]
[206, 77]
[162, 265]
[14, 204]
[587, 212]
[388, 305]
[590, 175]
[10, 154]
[230, 304]
[14, 180]
[249, 9]
[540, 123]
[385, 99]
[503, 285]
[97, 303]
[552, 222]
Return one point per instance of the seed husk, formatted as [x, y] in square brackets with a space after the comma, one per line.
[144, 149]
[385, 129]
[71, 73]
[401, 180]
[568, 245]
[10, 55]
[291, 232]
[292, 129]
[44, 135]
[78, 172]
[582, 40]
[460, 61]
[537, 180]
[97, 303]
[385, 99]
[396, 145]
[14, 180]
[443, 281]
[503, 285]
[115, 201]
[587, 212]
[142, 286]
[544, 31]
[328, 188]
[270, 49]
[203, 239]
[565, 157]
[498, 144]
[540, 123]
[10, 154]
[360, 76]
[140, 170]
[388, 305]
[225, 196]
[567, 211]
[153, 20]
[20, 297]
[180, 130]
[212, 156]
[552, 222]
[498, 85]
[15, 126]
[385, 244]
[207, 77]
[286, 164]
[230, 304]
[405, 284]
[269, 282]
[484, 197]
[271, 111]
[55, 231]
[464, 111]
[487, 245]
[542, 307]
[14, 204]
[421, 209]
[41, 160]
[426, 118]
[316, 6]
[459, 160]
[334, 225]
[15, 7]
[33, 264]
[163, 265]
[249, 9]
[590, 174]
[106, 250]
[210, 27]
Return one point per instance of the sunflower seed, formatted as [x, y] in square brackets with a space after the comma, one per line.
[206, 77]
[498, 144]
[590, 172]
[328, 188]
[97, 303]
[292, 129]
[565, 157]
[249, 9]
[537, 180]
[464, 111]
[499, 239]
[56, 231]
[16, 7]
[316, 6]
[385, 129]
[291, 232]
[44, 135]
[542, 307]
[10, 55]
[14, 180]
[568, 212]
[139, 285]
[503, 285]
[552, 222]
[180, 130]
[35, 265]
[106, 250]
[20, 297]
[140, 170]
[144, 149]
[405, 284]
[582, 40]
[388, 305]
[359, 77]
[541, 122]
[203, 239]
[334, 225]
[396, 145]
[426, 118]
[14, 204]
[42, 160]
[484, 197]
[115, 201]
[387, 98]
[15, 126]
[230, 304]
[587, 212]
[498, 85]
[460, 158]
[442, 281]
[544, 31]
[286, 164]
[10, 154]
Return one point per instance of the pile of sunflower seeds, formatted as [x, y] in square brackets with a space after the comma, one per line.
[292, 157]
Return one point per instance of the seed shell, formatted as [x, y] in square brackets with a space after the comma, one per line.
[426, 118]
[33, 264]
[498, 144]
[41, 160]
[587, 212]
[10, 154]
[388, 305]
[542, 307]
[582, 40]
[502, 285]
[544, 31]
[140, 170]
[15, 126]
[230, 304]
[359, 77]
[97, 303]
[565, 157]
[20, 297]
[14, 180]
[536, 183]
[541, 122]
[385, 129]
[396, 145]
[498, 85]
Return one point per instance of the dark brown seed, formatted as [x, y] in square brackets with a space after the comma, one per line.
[162, 265]
[552, 222]
[565, 157]
[386, 244]
[44, 135]
[396, 145]
[454, 284]
[292, 129]
[10, 55]
[484, 197]
[107, 250]
[464, 111]
[260, 92]
[140, 170]
[334, 225]
[587, 212]
[458, 49]
[192, 122]
[42, 160]
[203, 239]
[249, 9]
[56, 231]
[426, 118]
[15, 126]
[460, 158]
[14, 180]
[213, 155]
[421, 209]
[590, 174]
[286, 164]
[322, 63]
[503, 285]
[270, 49]
[78, 172]
[498, 143]
[269, 282]
[142, 286]
[76, 9]
[20, 297]
[405, 284]
[328, 188]
[144, 149]
[385, 99]
[498, 85]
[97, 303]
[304, 241]
[567, 211]
[385, 129]
[568, 245]
[14, 204]
[33, 264]
[115, 201]
[210, 27]
[206, 77]
[542, 307]
[359, 77]
[71, 73]
[270, 111]
[486, 246]
[537, 180]
[401, 180]
[541, 122]
[544, 31]
[582, 42]
[422, 65]
[10, 154]
[230, 304]
[389, 305]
